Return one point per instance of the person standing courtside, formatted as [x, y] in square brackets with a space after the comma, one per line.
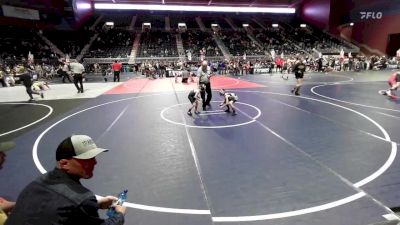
[6, 206]
[116, 67]
[77, 70]
[65, 72]
[204, 73]
[298, 70]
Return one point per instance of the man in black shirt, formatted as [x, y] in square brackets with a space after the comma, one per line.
[27, 82]
[298, 70]
[58, 198]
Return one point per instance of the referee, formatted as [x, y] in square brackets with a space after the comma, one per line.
[204, 73]
[77, 70]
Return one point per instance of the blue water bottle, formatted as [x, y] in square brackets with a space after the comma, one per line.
[121, 199]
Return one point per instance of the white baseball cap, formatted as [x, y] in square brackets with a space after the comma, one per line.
[78, 147]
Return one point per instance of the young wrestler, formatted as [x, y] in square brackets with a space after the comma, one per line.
[229, 100]
[194, 98]
[394, 83]
[40, 86]
[298, 70]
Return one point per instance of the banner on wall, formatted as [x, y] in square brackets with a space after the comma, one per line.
[22, 13]
[373, 10]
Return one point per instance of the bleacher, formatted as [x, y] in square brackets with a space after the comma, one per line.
[215, 20]
[194, 41]
[288, 38]
[189, 20]
[121, 21]
[67, 41]
[276, 39]
[16, 43]
[157, 21]
[114, 43]
[239, 43]
[157, 44]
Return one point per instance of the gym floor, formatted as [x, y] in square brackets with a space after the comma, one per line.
[326, 157]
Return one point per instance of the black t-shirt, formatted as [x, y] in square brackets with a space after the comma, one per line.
[299, 68]
[57, 198]
[26, 79]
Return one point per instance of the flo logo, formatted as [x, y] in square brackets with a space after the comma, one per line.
[371, 15]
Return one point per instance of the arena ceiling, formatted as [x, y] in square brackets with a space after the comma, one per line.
[242, 3]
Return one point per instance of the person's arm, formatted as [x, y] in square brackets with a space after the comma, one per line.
[199, 75]
[88, 214]
[226, 101]
[396, 85]
[6, 206]
[198, 95]
[106, 202]
[209, 72]
[82, 69]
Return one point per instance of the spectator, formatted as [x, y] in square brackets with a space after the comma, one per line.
[116, 67]
[5, 206]
[58, 197]
[65, 72]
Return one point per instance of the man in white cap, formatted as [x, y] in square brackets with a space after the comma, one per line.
[57, 197]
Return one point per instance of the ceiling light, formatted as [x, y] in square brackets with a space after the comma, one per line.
[81, 5]
[194, 8]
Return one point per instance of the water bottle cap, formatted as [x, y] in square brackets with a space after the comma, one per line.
[126, 191]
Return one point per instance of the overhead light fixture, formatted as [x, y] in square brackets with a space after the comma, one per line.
[214, 25]
[110, 23]
[351, 24]
[275, 25]
[81, 5]
[245, 25]
[147, 24]
[303, 25]
[181, 24]
[194, 8]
